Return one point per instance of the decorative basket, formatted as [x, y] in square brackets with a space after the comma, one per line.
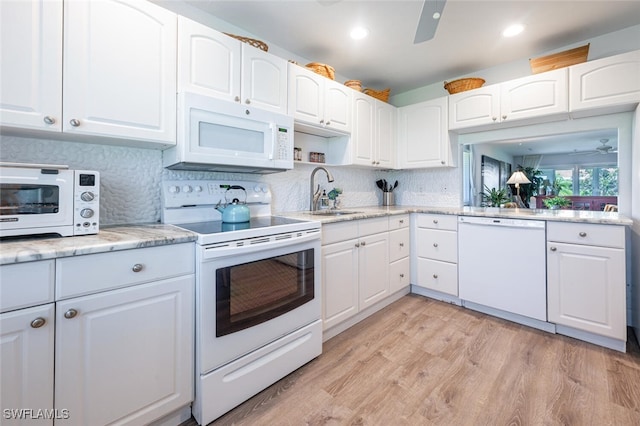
[354, 84]
[463, 84]
[322, 69]
[559, 60]
[382, 95]
[252, 41]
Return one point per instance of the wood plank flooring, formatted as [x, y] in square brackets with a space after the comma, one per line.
[424, 362]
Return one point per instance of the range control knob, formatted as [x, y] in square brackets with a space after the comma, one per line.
[187, 189]
[264, 189]
[174, 189]
[86, 213]
[197, 188]
[87, 196]
[257, 188]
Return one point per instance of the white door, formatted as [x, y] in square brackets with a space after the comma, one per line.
[119, 70]
[306, 95]
[423, 135]
[208, 61]
[373, 269]
[337, 106]
[543, 94]
[339, 282]
[475, 107]
[385, 134]
[362, 137]
[264, 80]
[141, 336]
[31, 65]
[586, 288]
[26, 362]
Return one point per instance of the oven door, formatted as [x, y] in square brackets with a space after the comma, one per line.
[33, 202]
[251, 296]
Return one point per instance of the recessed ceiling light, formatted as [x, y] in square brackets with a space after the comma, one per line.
[358, 33]
[513, 30]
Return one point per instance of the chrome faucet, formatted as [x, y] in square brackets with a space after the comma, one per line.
[312, 202]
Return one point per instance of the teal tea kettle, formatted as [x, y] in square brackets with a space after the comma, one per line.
[234, 212]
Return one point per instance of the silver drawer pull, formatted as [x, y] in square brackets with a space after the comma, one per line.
[363, 243]
[583, 234]
[435, 276]
[401, 221]
[435, 221]
[553, 249]
[38, 322]
[74, 122]
[137, 267]
[71, 313]
[435, 244]
[49, 120]
[357, 244]
[401, 244]
[401, 275]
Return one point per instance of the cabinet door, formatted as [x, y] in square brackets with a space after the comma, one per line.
[141, 336]
[31, 65]
[264, 80]
[119, 70]
[424, 137]
[337, 106]
[586, 288]
[339, 282]
[362, 137]
[306, 95]
[543, 94]
[607, 85]
[475, 107]
[26, 362]
[373, 267]
[385, 134]
[208, 61]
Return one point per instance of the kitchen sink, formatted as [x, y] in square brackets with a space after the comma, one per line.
[333, 212]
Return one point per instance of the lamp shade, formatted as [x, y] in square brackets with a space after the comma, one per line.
[518, 178]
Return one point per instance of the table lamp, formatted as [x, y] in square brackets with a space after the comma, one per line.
[516, 179]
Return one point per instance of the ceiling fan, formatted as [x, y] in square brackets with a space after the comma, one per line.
[429, 18]
[604, 149]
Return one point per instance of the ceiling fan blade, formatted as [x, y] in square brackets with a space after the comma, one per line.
[428, 23]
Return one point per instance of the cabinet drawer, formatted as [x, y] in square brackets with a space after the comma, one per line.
[336, 232]
[436, 275]
[26, 284]
[399, 274]
[437, 221]
[99, 272]
[373, 226]
[586, 234]
[398, 222]
[437, 245]
[398, 244]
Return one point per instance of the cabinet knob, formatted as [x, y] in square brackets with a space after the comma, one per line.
[553, 249]
[494, 118]
[442, 162]
[328, 123]
[321, 121]
[74, 122]
[137, 267]
[363, 243]
[401, 275]
[247, 101]
[247, 112]
[401, 244]
[38, 322]
[237, 99]
[435, 221]
[435, 244]
[373, 163]
[583, 234]
[504, 117]
[435, 276]
[71, 313]
[357, 244]
[49, 120]
[401, 221]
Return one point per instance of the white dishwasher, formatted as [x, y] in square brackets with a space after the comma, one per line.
[502, 264]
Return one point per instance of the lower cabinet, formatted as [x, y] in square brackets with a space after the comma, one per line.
[586, 285]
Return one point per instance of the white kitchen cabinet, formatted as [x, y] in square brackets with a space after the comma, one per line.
[373, 138]
[319, 102]
[31, 66]
[423, 135]
[355, 268]
[385, 134]
[605, 86]
[399, 262]
[533, 99]
[213, 64]
[125, 354]
[586, 282]
[435, 253]
[119, 74]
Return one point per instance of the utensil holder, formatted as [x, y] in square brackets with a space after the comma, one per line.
[388, 199]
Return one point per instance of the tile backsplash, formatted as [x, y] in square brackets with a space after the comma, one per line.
[130, 179]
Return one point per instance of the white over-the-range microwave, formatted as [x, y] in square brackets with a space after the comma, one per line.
[48, 199]
[218, 135]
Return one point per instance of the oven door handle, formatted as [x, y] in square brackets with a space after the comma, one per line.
[222, 251]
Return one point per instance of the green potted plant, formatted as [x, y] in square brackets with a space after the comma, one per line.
[554, 203]
[494, 197]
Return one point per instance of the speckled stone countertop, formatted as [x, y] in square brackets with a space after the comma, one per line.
[110, 238]
[358, 213]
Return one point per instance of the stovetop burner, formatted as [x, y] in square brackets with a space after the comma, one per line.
[216, 227]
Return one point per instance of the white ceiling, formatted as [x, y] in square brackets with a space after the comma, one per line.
[468, 38]
[560, 144]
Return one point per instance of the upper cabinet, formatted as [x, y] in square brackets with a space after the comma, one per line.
[606, 85]
[213, 64]
[319, 102]
[373, 138]
[423, 137]
[537, 98]
[85, 78]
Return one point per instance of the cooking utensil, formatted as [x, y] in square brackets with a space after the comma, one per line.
[395, 185]
[379, 183]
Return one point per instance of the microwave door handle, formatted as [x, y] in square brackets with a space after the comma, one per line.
[217, 252]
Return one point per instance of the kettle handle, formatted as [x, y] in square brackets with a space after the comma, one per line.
[235, 187]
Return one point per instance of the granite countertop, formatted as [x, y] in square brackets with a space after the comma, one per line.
[110, 238]
[583, 216]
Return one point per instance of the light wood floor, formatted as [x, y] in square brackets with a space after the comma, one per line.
[423, 362]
